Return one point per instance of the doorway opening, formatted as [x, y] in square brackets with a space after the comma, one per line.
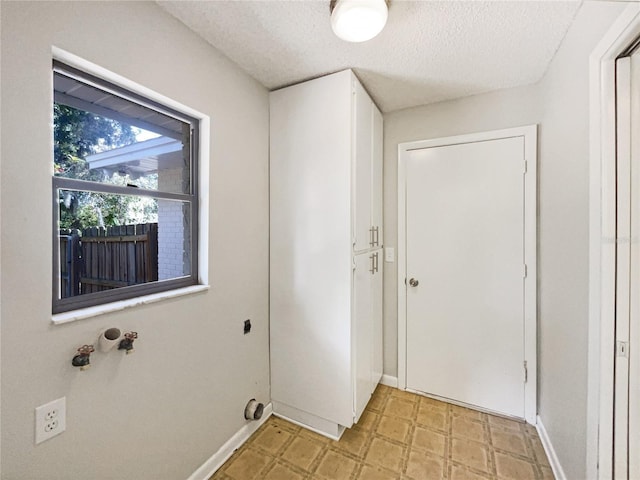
[613, 427]
[467, 270]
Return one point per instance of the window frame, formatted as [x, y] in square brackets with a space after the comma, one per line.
[97, 299]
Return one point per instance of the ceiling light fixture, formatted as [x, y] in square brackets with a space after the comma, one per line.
[358, 20]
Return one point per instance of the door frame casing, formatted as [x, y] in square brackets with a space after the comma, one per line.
[529, 133]
[602, 240]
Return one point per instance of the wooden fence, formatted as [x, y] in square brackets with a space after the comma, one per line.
[97, 259]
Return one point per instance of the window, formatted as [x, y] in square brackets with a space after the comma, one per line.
[125, 197]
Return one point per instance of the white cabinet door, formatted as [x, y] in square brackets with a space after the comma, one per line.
[310, 248]
[376, 318]
[376, 177]
[326, 317]
[362, 331]
[363, 125]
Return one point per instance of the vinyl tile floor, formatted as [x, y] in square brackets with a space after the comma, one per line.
[400, 436]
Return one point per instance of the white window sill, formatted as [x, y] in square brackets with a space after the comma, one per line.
[89, 312]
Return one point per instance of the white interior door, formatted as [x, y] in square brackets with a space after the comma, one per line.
[634, 314]
[627, 326]
[465, 322]
[623, 252]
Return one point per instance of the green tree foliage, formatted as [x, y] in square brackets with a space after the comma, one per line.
[78, 133]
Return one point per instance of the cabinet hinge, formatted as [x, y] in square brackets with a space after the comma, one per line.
[526, 372]
[525, 166]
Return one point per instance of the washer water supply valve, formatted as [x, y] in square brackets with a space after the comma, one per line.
[127, 342]
[82, 358]
[253, 410]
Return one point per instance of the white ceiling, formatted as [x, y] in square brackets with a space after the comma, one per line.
[429, 51]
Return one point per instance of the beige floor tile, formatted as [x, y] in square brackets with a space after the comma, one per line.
[335, 466]
[394, 428]
[353, 441]
[302, 452]
[369, 472]
[424, 439]
[219, 475]
[467, 412]
[471, 454]
[316, 437]
[504, 423]
[432, 418]
[281, 472]
[385, 454]
[401, 436]
[247, 465]
[529, 429]
[383, 390]
[510, 441]
[377, 403]
[397, 407]
[421, 466]
[511, 468]
[547, 473]
[538, 451]
[272, 438]
[466, 427]
[406, 396]
[368, 420]
[288, 426]
[460, 472]
[432, 403]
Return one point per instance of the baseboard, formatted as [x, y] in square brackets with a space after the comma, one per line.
[389, 381]
[307, 420]
[216, 460]
[558, 472]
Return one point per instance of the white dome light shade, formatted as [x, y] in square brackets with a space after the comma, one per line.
[358, 20]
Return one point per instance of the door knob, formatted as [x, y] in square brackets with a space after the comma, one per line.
[413, 282]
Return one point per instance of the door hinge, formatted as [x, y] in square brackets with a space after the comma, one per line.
[526, 372]
[525, 166]
[524, 270]
[622, 349]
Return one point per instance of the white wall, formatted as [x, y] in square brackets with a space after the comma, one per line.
[564, 237]
[559, 103]
[160, 413]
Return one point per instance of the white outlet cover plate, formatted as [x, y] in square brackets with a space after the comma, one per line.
[51, 419]
[389, 254]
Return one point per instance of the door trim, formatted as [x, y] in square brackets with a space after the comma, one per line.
[530, 250]
[602, 240]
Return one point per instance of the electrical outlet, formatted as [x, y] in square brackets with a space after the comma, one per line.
[389, 254]
[51, 419]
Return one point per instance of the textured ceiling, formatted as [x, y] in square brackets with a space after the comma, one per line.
[429, 51]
